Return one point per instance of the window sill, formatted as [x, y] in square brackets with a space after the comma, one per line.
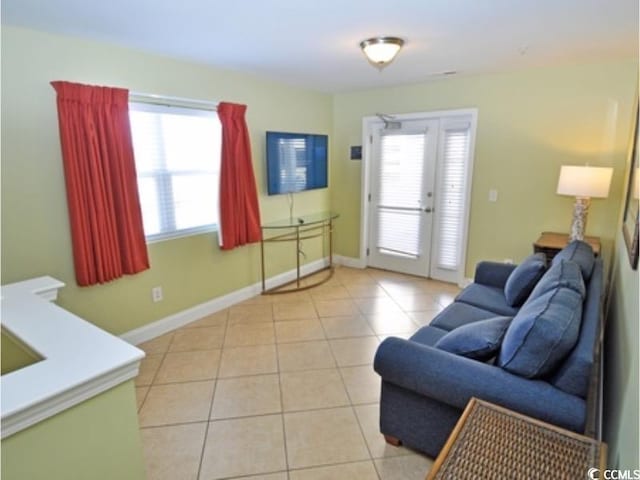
[162, 237]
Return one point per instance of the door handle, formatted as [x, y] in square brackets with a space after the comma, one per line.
[429, 209]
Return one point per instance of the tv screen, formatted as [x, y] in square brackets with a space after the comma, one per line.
[296, 162]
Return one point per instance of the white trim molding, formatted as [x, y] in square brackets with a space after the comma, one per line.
[52, 406]
[350, 262]
[180, 319]
[76, 360]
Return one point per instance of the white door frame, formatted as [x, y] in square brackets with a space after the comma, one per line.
[369, 124]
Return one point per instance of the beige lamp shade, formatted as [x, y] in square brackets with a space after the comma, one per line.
[589, 182]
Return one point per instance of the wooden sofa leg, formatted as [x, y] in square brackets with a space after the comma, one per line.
[392, 440]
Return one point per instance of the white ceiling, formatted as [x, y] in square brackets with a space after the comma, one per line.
[314, 43]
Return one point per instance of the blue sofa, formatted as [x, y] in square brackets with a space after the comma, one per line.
[522, 337]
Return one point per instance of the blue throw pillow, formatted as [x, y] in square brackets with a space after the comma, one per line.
[542, 334]
[561, 274]
[523, 278]
[581, 253]
[478, 340]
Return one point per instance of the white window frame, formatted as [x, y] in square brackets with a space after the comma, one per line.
[179, 104]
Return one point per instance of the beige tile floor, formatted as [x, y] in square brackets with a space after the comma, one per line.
[282, 387]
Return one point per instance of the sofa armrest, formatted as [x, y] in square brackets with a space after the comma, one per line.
[493, 274]
[453, 380]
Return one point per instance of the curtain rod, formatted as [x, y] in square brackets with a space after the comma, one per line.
[172, 101]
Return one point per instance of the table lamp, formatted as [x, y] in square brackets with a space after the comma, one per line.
[584, 183]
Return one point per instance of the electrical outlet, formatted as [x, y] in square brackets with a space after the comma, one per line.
[493, 195]
[508, 261]
[156, 294]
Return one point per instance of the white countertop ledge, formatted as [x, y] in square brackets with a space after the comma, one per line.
[79, 359]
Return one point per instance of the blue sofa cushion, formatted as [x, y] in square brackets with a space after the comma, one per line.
[478, 340]
[542, 334]
[574, 374]
[487, 298]
[428, 335]
[524, 278]
[561, 274]
[457, 314]
[579, 252]
[493, 274]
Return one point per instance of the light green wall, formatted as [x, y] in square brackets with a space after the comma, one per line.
[621, 365]
[97, 439]
[35, 230]
[14, 355]
[621, 370]
[529, 123]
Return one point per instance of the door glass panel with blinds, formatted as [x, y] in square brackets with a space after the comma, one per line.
[450, 202]
[403, 174]
[418, 201]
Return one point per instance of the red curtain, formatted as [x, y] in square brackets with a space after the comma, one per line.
[239, 212]
[100, 175]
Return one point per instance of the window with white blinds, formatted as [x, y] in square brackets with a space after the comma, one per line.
[177, 152]
[400, 185]
[455, 154]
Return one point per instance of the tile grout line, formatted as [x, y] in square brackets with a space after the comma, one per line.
[276, 345]
[213, 395]
[155, 374]
[353, 408]
[375, 466]
[282, 422]
[254, 475]
[353, 411]
[259, 415]
[202, 380]
[334, 464]
[371, 314]
[337, 368]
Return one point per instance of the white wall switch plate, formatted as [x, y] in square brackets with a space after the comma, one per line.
[156, 294]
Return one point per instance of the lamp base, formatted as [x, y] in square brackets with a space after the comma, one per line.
[579, 222]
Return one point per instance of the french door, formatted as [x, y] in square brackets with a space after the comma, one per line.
[419, 197]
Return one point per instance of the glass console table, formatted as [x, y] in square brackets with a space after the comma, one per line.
[295, 230]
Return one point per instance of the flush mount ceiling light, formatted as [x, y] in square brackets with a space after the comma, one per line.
[380, 51]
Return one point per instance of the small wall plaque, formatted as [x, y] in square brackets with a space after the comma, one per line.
[356, 152]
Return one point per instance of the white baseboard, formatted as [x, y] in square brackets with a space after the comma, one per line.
[350, 262]
[180, 319]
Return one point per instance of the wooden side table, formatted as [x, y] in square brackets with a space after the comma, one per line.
[550, 243]
[494, 443]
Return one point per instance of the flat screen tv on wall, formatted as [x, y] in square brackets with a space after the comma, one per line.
[296, 162]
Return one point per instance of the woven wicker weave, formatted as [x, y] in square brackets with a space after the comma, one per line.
[494, 443]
